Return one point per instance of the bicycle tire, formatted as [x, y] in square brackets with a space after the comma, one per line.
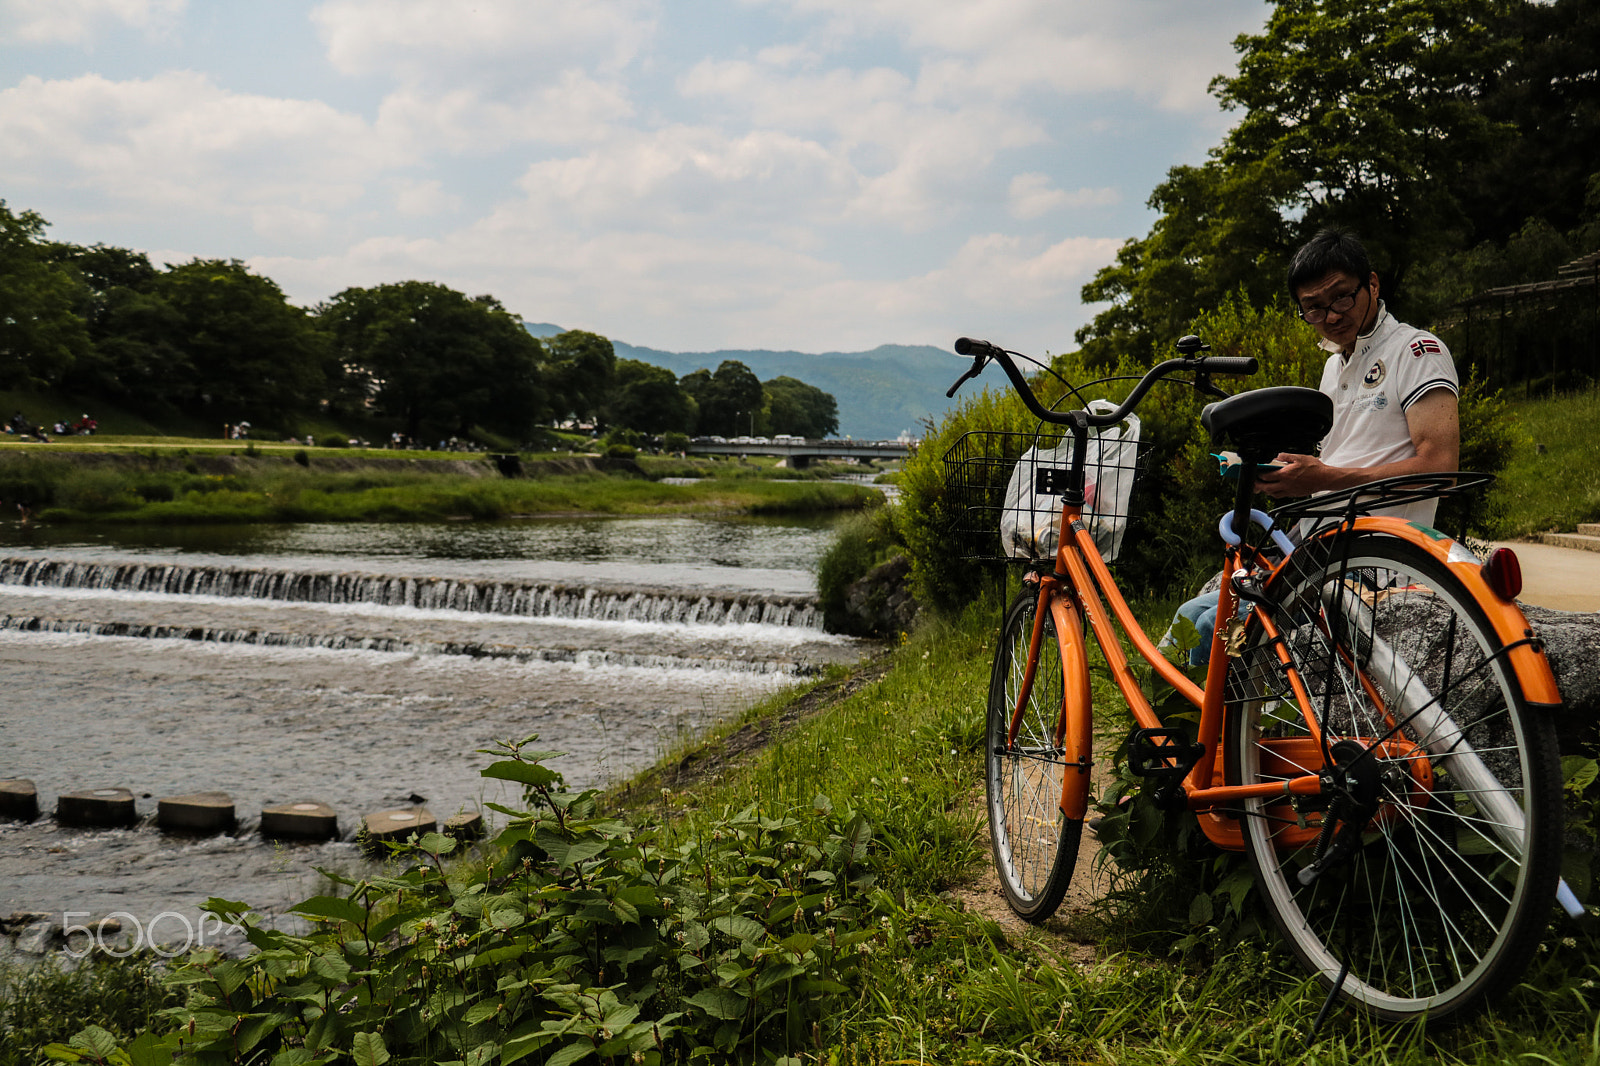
[1442, 901]
[1035, 845]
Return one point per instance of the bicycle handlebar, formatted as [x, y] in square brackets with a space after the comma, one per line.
[1202, 367]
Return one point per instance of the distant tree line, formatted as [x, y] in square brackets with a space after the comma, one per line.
[1459, 138]
[212, 340]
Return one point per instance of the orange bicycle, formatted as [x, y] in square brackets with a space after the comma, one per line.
[1372, 727]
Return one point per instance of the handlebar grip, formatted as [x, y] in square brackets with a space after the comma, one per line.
[1227, 364]
[973, 346]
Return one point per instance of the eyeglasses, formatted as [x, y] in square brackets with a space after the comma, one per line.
[1338, 306]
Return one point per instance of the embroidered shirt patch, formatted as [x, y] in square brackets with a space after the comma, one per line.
[1425, 346]
[1374, 375]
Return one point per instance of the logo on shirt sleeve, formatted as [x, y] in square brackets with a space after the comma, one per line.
[1374, 375]
[1425, 346]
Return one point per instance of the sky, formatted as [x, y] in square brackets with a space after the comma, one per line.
[812, 175]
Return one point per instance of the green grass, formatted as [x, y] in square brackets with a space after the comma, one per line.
[151, 486]
[1553, 479]
[947, 985]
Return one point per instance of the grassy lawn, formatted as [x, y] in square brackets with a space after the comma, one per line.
[1553, 479]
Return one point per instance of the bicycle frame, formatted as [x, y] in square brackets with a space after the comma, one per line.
[1082, 587]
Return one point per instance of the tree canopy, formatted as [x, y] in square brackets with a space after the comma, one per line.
[41, 332]
[438, 361]
[730, 399]
[213, 340]
[802, 410]
[1413, 122]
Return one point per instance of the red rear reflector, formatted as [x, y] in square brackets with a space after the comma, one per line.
[1503, 573]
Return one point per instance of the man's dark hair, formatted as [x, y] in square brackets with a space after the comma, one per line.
[1332, 249]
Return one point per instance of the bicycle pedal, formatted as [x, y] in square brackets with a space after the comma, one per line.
[1162, 754]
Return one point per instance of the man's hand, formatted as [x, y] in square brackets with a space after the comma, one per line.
[1301, 475]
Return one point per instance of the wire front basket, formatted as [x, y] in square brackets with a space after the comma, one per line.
[978, 470]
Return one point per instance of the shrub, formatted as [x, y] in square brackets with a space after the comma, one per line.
[583, 939]
[863, 541]
[1170, 545]
[302, 458]
[674, 441]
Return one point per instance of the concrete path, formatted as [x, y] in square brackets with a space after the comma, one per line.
[1563, 579]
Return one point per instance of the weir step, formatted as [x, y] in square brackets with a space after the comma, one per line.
[397, 825]
[104, 807]
[1581, 541]
[306, 820]
[19, 799]
[196, 812]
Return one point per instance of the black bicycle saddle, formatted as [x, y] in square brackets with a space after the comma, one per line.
[1263, 422]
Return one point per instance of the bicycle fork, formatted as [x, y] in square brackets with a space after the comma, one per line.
[1072, 737]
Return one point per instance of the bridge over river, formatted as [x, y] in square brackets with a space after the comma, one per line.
[800, 452]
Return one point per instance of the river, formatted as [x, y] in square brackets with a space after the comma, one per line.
[364, 667]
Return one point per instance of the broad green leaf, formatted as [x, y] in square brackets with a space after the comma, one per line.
[368, 1049]
[576, 1051]
[1578, 772]
[331, 968]
[725, 1003]
[94, 1040]
[738, 925]
[481, 1011]
[437, 843]
[526, 773]
[336, 907]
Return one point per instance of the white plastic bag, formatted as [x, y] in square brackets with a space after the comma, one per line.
[1030, 522]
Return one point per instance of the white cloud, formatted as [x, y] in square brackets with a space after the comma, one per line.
[179, 139]
[573, 109]
[81, 21]
[419, 199]
[428, 40]
[911, 154]
[1166, 50]
[1031, 195]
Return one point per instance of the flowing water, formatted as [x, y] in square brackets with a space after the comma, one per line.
[364, 667]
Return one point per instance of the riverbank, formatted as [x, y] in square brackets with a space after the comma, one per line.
[179, 485]
[884, 763]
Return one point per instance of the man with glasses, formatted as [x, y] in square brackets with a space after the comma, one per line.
[1393, 386]
[1394, 391]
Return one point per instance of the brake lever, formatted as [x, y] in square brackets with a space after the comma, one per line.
[977, 368]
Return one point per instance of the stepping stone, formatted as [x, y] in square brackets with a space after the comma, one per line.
[307, 820]
[104, 807]
[467, 825]
[19, 799]
[399, 824]
[197, 812]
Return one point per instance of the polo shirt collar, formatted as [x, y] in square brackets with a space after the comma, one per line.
[1377, 327]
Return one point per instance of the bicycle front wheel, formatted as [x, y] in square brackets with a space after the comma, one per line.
[1035, 845]
[1425, 877]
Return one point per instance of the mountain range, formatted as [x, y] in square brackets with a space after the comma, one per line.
[881, 393]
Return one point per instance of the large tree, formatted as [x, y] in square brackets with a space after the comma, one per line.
[730, 401]
[41, 332]
[582, 366]
[802, 410]
[249, 354]
[136, 353]
[439, 362]
[648, 399]
[1364, 113]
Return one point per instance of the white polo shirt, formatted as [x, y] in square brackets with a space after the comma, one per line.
[1387, 371]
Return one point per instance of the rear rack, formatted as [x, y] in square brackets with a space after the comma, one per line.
[1346, 505]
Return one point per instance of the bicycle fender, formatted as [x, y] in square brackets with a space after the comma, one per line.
[1077, 743]
[1528, 660]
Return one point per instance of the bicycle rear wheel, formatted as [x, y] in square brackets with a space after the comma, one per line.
[1435, 887]
[1035, 845]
